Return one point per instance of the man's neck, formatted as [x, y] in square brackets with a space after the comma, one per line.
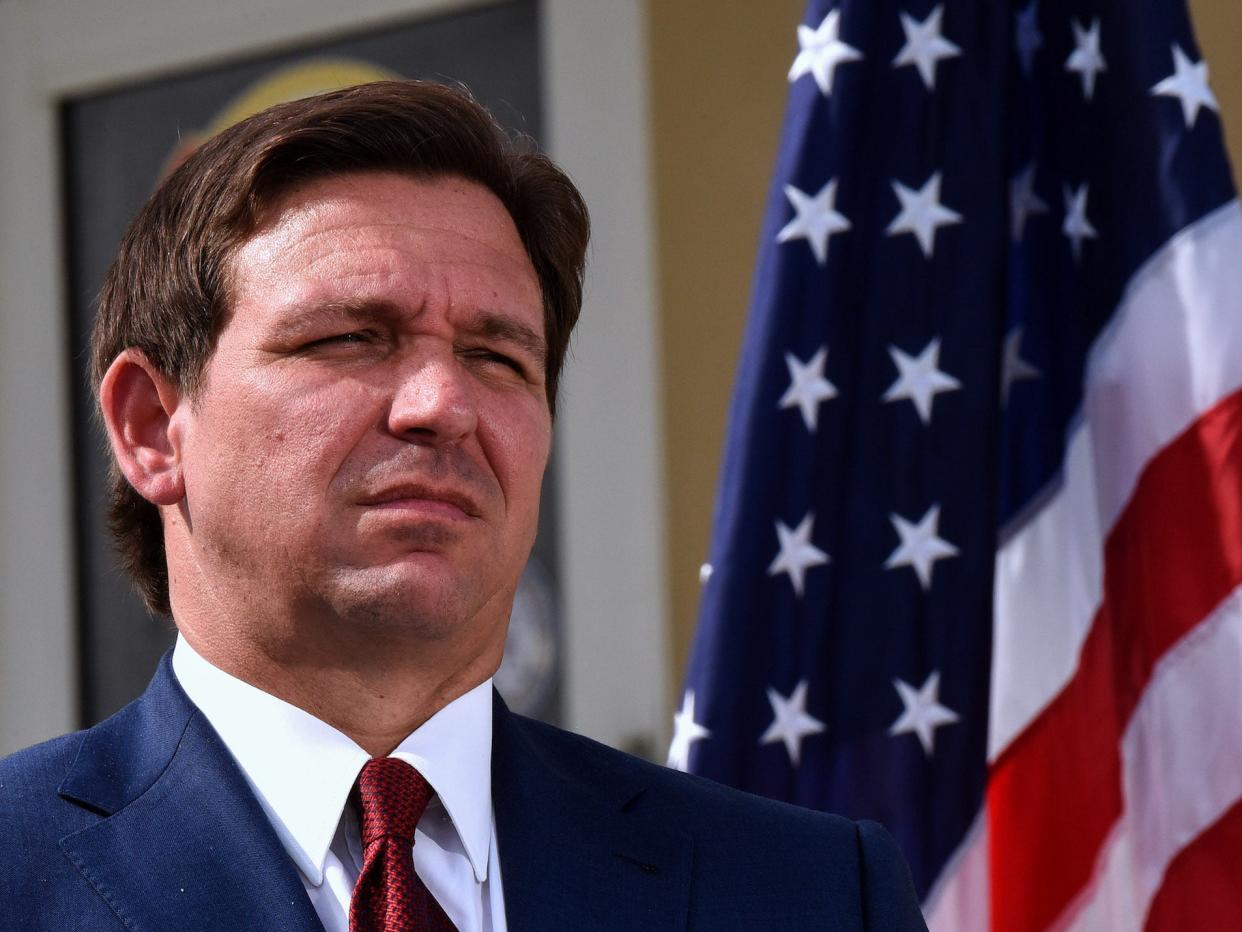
[376, 693]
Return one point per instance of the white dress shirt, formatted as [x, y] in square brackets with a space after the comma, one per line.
[302, 770]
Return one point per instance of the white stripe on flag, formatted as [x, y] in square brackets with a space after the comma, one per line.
[1181, 758]
[1151, 373]
[959, 901]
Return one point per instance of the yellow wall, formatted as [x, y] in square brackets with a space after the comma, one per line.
[717, 93]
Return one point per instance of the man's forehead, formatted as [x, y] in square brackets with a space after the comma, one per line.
[402, 199]
[344, 239]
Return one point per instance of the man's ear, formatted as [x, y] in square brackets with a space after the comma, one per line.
[138, 403]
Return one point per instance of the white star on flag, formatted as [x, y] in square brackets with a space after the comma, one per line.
[686, 731]
[797, 553]
[820, 51]
[1086, 58]
[807, 386]
[815, 219]
[925, 45]
[921, 213]
[919, 379]
[1077, 227]
[1013, 367]
[1027, 37]
[920, 546]
[1023, 202]
[790, 722]
[923, 712]
[1188, 83]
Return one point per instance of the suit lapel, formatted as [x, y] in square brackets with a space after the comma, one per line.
[184, 844]
[573, 852]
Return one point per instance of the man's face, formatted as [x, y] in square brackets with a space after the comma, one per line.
[371, 431]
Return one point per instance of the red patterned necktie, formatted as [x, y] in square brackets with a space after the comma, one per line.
[389, 896]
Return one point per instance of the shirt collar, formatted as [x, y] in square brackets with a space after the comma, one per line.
[302, 769]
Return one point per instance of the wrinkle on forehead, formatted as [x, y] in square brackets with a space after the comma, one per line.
[406, 230]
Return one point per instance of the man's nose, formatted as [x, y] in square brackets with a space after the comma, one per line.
[433, 402]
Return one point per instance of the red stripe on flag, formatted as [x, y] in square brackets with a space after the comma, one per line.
[1200, 888]
[1175, 552]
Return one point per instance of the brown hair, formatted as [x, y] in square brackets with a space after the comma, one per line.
[166, 292]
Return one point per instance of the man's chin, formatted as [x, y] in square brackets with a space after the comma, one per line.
[416, 594]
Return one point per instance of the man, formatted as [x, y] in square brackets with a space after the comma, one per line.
[326, 359]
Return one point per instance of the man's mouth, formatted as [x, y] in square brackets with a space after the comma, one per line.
[428, 500]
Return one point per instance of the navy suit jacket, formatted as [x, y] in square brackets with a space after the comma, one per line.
[145, 822]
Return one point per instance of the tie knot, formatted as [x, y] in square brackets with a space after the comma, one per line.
[392, 796]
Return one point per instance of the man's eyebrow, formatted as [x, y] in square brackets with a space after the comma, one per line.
[312, 314]
[501, 327]
[492, 325]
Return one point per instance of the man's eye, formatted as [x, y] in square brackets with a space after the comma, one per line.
[492, 356]
[342, 339]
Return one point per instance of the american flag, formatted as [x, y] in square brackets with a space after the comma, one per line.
[978, 539]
